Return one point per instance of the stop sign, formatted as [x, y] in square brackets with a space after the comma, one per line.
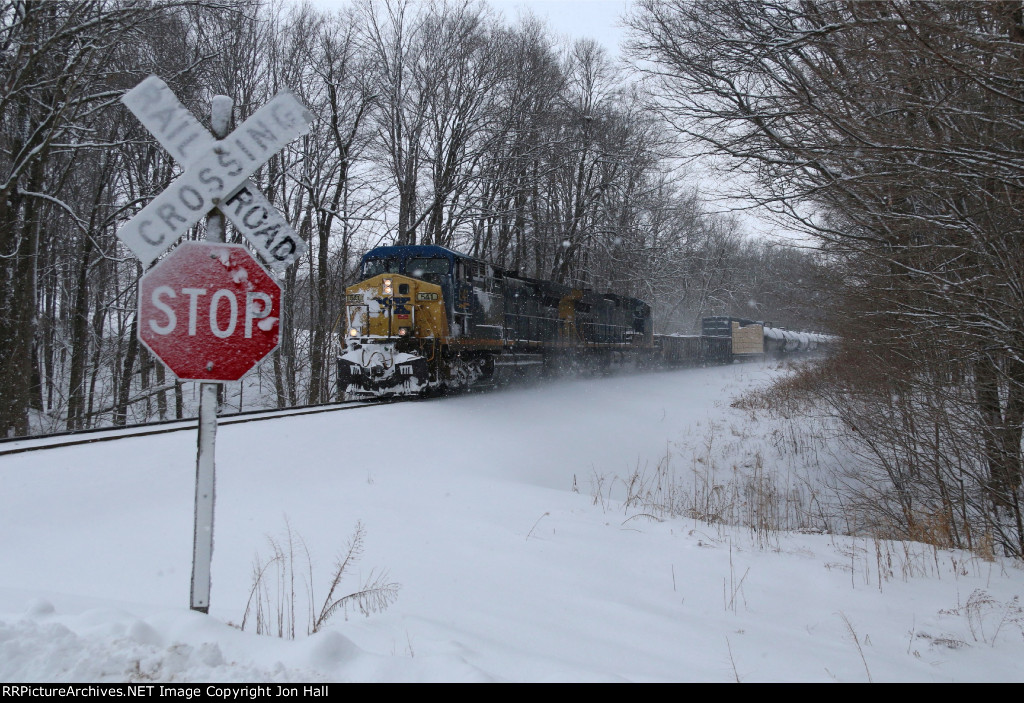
[209, 311]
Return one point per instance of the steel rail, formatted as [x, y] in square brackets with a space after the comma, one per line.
[71, 438]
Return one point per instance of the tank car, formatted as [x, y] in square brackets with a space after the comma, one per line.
[426, 318]
[753, 340]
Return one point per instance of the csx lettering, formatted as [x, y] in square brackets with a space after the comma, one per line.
[395, 303]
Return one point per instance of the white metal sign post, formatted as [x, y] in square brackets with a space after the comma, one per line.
[215, 183]
[206, 439]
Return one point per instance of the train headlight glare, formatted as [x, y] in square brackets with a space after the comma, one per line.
[353, 332]
[402, 331]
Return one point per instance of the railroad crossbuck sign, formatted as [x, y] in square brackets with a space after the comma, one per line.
[216, 174]
[209, 311]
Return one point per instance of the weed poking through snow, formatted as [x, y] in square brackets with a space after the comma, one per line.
[273, 598]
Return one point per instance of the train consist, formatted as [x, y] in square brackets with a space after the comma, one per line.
[429, 319]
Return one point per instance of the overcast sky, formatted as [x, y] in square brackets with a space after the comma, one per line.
[597, 19]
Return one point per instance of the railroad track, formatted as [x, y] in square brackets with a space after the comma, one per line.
[29, 443]
[18, 445]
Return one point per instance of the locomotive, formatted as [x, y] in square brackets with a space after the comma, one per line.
[428, 319]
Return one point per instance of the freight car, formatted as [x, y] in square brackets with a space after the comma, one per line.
[426, 318]
[755, 340]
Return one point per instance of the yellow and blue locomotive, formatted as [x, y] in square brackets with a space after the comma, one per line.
[426, 318]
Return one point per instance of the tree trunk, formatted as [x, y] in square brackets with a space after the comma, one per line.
[125, 386]
[17, 313]
[79, 341]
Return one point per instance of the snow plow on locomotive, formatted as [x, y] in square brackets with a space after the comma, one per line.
[428, 319]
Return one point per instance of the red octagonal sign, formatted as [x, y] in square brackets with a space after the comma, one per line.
[209, 311]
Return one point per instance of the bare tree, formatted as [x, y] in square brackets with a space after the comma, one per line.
[403, 85]
[54, 57]
[338, 92]
[891, 132]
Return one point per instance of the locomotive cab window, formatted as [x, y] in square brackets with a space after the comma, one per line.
[375, 267]
[431, 270]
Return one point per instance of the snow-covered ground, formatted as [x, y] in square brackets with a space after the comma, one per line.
[500, 520]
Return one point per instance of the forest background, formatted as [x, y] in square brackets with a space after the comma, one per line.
[887, 135]
[435, 124]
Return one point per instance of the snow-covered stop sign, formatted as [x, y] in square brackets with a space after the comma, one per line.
[209, 311]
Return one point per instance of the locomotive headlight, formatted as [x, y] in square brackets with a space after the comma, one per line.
[353, 332]
[402, 331]
[387, 286]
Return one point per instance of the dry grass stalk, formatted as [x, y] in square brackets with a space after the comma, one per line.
[273, 599]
